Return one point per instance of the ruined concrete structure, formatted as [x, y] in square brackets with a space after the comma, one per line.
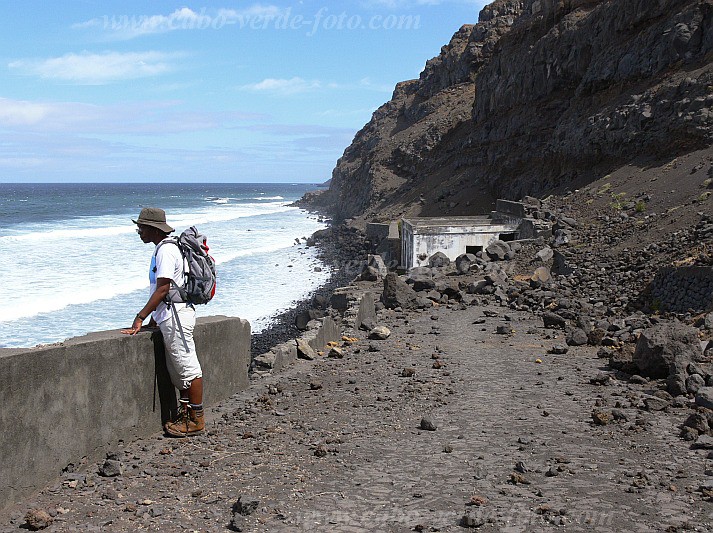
[421, 237]
[385, 241]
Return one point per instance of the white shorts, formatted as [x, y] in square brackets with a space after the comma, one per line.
[183, 366]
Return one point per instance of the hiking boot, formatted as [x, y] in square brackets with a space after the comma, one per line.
[188, 422]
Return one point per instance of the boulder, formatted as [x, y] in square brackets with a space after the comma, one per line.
[367, 324]
[596, 336]
[498, 250]
[320, 301]
[577, 337]
[704, 442]
[560, 265]
[339, 300]
[478, 287]
[397, 293]
[265, 361]
[433, 295]
[449, 288]
[541, 275]
[704, 397]
[694, 383]
[420, 271]
[698, 422]
[438, 260]
[559, 349]
[379, 333]
[428, 423]
[676, 384]
[561, 237]
[655, 403]
[423, 303]
[111, 468]
[377, 262]
[335, 353]
[504, 329]
[369, 274]
[496, 278]
[421, 281]
[622, 360]
[37, 519]
[465, 262]
[305, 351]
[545, 254]
[553, 320]
[666, 349]
[303, 318]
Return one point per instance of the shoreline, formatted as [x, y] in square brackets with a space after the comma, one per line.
[338, 249]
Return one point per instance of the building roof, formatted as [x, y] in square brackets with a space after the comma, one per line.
[458, 225]
[480, 220]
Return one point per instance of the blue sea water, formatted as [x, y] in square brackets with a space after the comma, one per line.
[73, 263]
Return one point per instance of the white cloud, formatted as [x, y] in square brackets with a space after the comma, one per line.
[132, 26]
[97, 69]
[297, 85]
[142, 118]
[366, 83]
[22, 113]
[401, 4]
[257, 11]
[283, 86]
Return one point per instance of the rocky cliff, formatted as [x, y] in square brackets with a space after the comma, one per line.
[537, 97]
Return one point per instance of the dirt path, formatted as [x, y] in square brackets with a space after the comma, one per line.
[336, 445]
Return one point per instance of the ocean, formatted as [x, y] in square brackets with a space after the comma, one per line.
[74, 264]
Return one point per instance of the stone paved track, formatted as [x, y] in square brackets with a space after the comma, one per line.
[335, 445]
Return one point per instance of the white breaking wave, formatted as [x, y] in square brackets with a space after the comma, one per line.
[82, 229]
[91, 273]
[56, 300]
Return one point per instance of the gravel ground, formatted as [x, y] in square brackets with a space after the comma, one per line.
[523, 441]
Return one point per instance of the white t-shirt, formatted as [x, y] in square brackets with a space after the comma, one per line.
[166, 262]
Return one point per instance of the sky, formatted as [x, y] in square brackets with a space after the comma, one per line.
[137, 91]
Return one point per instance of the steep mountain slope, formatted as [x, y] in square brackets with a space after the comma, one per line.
[538, 97]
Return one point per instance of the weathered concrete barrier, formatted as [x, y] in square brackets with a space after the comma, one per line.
[319, 333]
[72, 401]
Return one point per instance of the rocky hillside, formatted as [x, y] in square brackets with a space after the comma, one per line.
[538, 97]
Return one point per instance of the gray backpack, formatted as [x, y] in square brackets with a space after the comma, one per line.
[198, 269]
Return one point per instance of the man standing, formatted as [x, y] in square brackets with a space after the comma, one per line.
[176, 324]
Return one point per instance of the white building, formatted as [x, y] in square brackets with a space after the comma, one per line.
[423, 237]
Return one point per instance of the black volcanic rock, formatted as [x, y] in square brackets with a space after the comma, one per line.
[535, 96]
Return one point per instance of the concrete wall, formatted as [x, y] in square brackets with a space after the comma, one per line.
[418, 244]
[377, 232]
[73, 400]
[319, 333]
[385, 240]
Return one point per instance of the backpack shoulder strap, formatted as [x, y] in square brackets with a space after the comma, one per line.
[169, 240]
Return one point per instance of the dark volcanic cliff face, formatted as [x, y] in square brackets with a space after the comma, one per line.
[535, 97]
